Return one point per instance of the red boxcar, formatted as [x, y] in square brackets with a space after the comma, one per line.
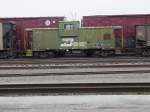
[22, 24]
[128, 23]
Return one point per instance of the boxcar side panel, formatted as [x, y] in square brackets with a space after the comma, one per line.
[142, 36]
[140, 33]
[1, 36]
[148, 35]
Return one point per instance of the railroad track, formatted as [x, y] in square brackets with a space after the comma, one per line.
[75, 60]
[74, 63]
[24, 69]
[76, 88]
[75, 73]
[72, 71]
[78, 65]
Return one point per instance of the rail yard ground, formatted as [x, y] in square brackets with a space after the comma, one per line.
[79, 103]
[76, 75]
[75, 84]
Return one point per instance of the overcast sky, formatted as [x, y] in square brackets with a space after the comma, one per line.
[73, 9]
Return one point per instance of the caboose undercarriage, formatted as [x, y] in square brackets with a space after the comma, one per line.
[79, 52]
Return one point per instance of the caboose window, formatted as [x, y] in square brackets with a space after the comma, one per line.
[107, 36]
[68, 26]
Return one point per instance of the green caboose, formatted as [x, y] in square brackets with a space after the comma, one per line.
[71, 38]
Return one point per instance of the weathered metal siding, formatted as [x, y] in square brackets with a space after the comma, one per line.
[143, 36]
[88, 38]
[45, 39]
[127, 21]
[97, 38]
[25, 23]
[1, 36]
[148, 36]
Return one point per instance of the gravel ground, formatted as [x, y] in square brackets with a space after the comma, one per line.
[72, 70]
[91, 78]
[74, 64]
[84, 103]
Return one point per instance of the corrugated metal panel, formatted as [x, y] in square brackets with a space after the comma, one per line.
[140, 33]
[24, 23]
[127, 21]
[1, 36]
[148, 35]
[9, 36]
[143, 35]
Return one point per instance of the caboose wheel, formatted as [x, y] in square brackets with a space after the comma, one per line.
[144, 53]
[43, 55]
[104, 54]
[51, 54]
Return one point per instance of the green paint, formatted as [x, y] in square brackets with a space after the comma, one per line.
[75, 38]
[45, 39]
[69, 29]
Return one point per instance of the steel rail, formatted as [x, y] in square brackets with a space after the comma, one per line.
[74, 73]
[72, 66]
[73, 60]
[77, 87]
